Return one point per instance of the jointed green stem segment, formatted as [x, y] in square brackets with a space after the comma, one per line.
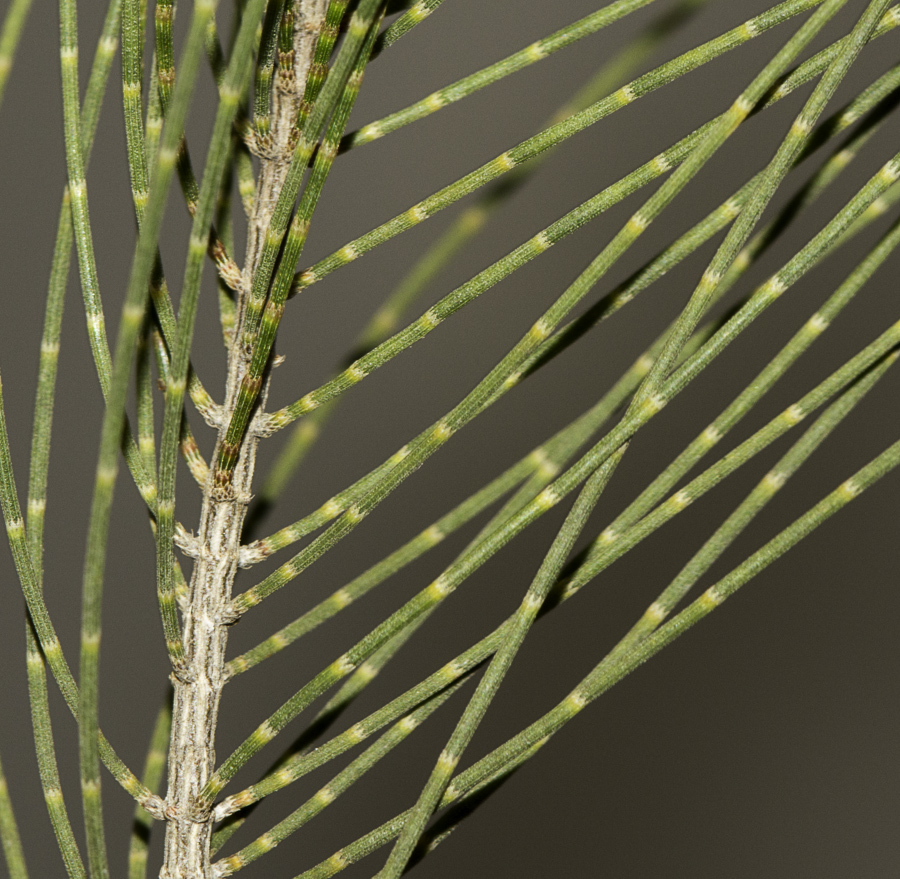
[13, 23]
[279, 21]
[46, 757]
[318, 70]
[771, 483]
[417, 13]
[9, 833]
[165, 10]
[537, 51]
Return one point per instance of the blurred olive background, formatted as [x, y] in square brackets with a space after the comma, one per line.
[761, 744]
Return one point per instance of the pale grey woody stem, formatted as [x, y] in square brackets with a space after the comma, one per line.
[196, 702]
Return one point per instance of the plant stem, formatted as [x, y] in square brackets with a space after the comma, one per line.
[198, 686]
[13, 23]
[9, 834]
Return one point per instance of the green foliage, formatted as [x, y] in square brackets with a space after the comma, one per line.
[287, 78]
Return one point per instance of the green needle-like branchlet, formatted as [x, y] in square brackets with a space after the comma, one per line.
[752, 505]
[473, 219]
[703, 231]
[9, 832]
[546, 457]
[280, 19]
[536, 51]
[106, 473]
[225, 265]
[164, 18]
[11, 33]
[214, 53]
[153, 122]
[318, 70]
[384, 833]
[224, 832]
[143, 380]
[537, 469]
[138, 164]
[154, 771]
[611, 545]
[416, 13]
[46, 758]
[549, 461]
[426, 539]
